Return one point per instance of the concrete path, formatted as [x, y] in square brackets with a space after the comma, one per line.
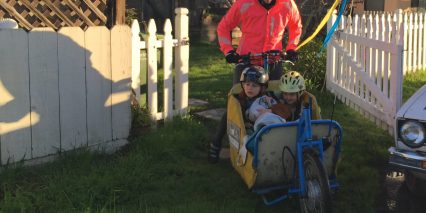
[214, 114]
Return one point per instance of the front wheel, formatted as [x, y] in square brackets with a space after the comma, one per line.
[317, 197]
[415, 185]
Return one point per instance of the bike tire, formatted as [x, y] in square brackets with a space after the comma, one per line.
[318, 195]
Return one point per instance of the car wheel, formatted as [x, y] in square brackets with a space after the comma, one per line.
[415, 185]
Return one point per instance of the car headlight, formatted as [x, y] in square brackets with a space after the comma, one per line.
[412, 134]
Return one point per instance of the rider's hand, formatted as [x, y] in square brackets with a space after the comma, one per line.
[232, 57]
[291, 55]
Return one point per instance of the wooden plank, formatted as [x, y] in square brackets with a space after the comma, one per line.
[58, 12]
[72, 87]
[44, 91]
[15, 115]
[80, 13]
[167, 68]
[38, 14]
[15, 14]
[121, 80]
[98, 83]
[95, 9]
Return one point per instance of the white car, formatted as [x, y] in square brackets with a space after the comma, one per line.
[409, 153]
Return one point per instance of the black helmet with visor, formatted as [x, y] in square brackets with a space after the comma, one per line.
[255, 74]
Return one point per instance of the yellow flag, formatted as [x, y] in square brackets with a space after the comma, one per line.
[321, 25]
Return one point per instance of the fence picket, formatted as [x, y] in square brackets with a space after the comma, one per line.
[406, 50]
[415, 33]
[152, 70]
[98, 76]
[181, 60]
[363, 54]
[421, 48]
[410, 43]
[369, 57]
[136, 60]
[44, 95]
[120, 79]
[167, 67]
[355, 54]
[72, 83]
[386, 62]
[15, 111]
[424, 40]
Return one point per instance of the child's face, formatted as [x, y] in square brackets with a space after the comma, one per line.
[251, 89]
[290, 97]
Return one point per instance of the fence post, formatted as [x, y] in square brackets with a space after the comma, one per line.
[152, 70]
[405, 39]
[331, 56]
[181, 60]
[167, 67]
[136, 55]
[396, 65]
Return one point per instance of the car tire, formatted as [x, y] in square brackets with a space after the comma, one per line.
[415, 185]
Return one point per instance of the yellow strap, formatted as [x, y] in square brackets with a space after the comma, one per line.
[323, 22]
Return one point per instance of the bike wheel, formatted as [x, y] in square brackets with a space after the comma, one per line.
[318, 197]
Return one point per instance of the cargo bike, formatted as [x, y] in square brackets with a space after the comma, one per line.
[279, 161]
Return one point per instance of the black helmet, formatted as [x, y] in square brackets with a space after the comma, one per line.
[254, 74]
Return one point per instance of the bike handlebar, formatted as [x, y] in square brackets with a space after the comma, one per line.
[262, 58]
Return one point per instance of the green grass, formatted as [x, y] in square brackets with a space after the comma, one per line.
[166, 170]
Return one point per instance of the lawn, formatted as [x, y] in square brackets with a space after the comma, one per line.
[166, 169]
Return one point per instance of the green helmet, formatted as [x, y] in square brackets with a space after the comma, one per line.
[254, 74]
[292, 82]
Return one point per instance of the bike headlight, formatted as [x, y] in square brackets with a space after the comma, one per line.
[412, 134]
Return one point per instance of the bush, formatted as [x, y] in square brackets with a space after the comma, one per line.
[312, 65]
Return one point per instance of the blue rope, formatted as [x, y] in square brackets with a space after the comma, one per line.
[335, 24]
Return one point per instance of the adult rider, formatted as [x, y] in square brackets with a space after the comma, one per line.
[263, 24]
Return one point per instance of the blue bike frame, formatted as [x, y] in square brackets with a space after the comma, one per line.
[304, 142]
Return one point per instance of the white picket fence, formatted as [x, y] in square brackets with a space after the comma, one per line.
[414, 40]
[181, 66]
[63, 90]
[364, 65]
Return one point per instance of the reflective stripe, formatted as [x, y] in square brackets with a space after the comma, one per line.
[224, 40]
[271, 29]
[245, 6]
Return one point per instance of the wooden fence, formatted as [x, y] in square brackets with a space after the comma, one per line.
[63, 90]
[171, 105]
[364, 65]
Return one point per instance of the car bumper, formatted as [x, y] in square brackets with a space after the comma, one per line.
[408, 160]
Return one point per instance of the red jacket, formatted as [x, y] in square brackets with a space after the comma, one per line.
[262, 30]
